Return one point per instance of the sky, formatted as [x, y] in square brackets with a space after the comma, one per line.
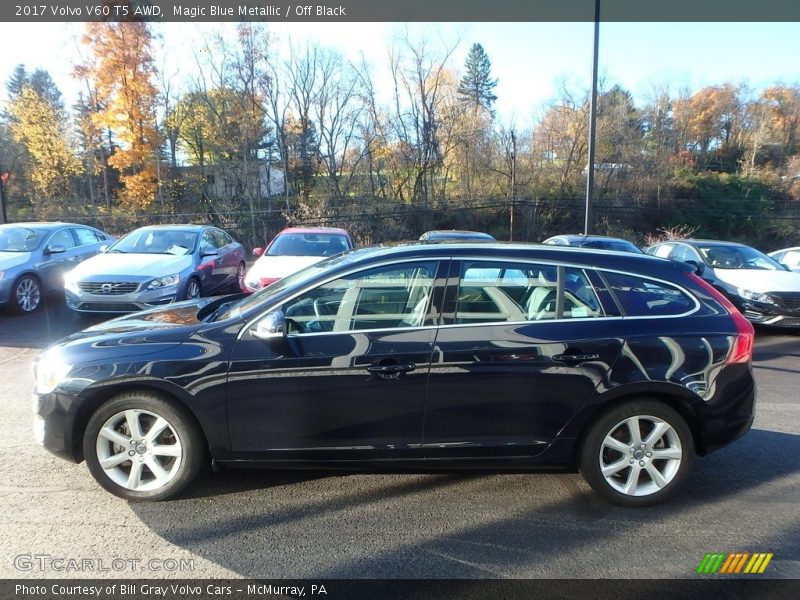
[529, 60]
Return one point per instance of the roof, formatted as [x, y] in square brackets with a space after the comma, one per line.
[177, 227]
[499, 250]
[456, 233]
[584, 236]
[48, 225]
[328, 230]
[693, 242]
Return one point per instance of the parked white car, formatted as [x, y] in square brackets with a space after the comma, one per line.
[788, 257]
[763, 289]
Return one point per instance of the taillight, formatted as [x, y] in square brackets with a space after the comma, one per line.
[265, 281]
[742, 350]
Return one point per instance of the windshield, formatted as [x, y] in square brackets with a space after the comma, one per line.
[20, 239]
[308, 244]
[738, 257]
[255, 299]
[156, 241]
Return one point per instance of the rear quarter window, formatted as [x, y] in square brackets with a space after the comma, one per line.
[643, 297]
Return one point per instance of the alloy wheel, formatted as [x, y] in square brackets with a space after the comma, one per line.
[139, 450]
[28, 294]
[640, 455]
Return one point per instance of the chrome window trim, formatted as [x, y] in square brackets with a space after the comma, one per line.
[251, 322]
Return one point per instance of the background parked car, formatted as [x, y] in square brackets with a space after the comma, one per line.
[766, 292]
[456, 235]
[291, 250]
[788, 257]
[600, 242]
[157, 265]
[35, 256]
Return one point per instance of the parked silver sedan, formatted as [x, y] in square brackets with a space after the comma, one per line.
[35, 256]
[157, 265]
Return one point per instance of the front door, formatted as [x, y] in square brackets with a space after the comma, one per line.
[348, 381]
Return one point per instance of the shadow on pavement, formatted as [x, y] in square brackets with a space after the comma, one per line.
[226, 519]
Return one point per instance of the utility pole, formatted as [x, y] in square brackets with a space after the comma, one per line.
[513, 184]
[592, 122]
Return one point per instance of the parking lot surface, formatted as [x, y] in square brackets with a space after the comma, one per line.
[394, 525]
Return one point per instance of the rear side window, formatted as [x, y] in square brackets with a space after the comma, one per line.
[642, 297]
[491, 292]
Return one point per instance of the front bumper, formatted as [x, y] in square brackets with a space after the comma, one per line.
[120, 303]
[54, 425]
[6, 283]
[768, 314]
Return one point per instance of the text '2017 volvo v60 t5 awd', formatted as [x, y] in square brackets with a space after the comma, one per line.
[479, 356]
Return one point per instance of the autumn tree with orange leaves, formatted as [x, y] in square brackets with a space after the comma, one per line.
[123, 72]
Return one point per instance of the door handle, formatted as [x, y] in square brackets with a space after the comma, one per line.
[393, 369]
[575, 358]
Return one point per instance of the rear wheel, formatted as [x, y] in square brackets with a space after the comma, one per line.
[238, 286]
[141, 446]
[26, 295]
[637, 454]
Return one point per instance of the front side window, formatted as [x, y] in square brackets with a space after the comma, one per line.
[491, 292]
[641, 297]
[62, 238]
[383, 297]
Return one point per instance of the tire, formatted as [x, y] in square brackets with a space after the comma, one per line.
[26, 295]
[634, 475]
[193, 289]
[237, 287]
[174, 455]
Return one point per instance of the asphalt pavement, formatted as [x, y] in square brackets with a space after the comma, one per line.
[270, 524]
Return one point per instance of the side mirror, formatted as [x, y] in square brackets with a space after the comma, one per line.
[270, 327]
[699, 268]
[258, 251]
[104, 247]
[56, 249]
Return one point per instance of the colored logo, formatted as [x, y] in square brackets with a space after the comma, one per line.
[734, 562]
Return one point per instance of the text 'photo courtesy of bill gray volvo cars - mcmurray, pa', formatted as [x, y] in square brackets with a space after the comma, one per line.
[478, 356]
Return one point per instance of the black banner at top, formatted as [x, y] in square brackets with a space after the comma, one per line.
[398, 10]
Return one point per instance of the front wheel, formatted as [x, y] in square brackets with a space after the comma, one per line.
[26, 295]
[192, 291]
[637, 454]
[141, 446]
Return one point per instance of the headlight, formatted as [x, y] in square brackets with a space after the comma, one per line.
[70, 282]
[163, 282]
[755, 296]
[50, 370]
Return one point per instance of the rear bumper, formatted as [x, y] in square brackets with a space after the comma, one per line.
[730, 414]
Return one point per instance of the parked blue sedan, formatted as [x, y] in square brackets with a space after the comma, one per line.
[157, 265]
[35, 256]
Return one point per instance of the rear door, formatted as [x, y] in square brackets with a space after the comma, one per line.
[521, 348]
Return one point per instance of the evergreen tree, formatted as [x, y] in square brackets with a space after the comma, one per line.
[475, 88]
